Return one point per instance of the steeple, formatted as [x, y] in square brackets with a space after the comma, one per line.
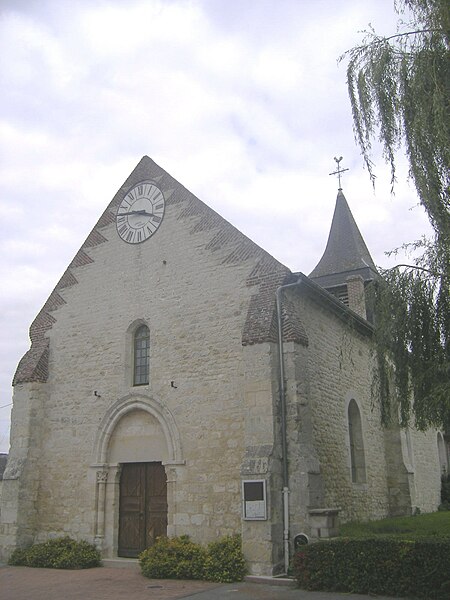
[346, 265]
[346, 252]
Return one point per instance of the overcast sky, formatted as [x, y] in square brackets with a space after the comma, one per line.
[242, 101]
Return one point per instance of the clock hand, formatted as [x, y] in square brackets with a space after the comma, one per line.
[136, 212]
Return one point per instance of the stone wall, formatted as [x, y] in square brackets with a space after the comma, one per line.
[3, 459]
[334, 368]
[195, 312]
[21, 477]
[426, 477]
[263, 539]
[339, 371]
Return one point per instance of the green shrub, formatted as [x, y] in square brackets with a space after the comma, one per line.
[179, 558]
[419, 568]
[225, 561]
[18, 558]
[173, 558]
[59, 553]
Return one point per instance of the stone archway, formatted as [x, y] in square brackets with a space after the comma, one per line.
[127, 405]
[134, 430]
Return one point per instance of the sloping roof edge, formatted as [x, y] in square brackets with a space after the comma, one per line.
[336, 306]
[346, 250]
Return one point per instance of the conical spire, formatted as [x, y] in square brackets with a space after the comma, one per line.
[346, 253]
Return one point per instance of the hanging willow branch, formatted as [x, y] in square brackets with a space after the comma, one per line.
[412, 347]
[399, 89]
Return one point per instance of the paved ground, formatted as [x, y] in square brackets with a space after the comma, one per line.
[107, 583]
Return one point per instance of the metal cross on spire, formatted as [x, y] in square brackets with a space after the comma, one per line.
[339, 171]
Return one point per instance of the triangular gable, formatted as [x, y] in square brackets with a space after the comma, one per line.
[235, 248]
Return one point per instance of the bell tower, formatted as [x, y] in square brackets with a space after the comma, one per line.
[346, 266]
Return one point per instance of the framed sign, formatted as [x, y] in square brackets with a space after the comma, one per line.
[254, 500]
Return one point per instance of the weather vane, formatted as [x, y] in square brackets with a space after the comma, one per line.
[339, 170]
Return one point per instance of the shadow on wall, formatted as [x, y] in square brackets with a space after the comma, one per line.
[3, 459]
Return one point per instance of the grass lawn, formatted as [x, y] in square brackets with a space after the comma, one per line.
[433, 525]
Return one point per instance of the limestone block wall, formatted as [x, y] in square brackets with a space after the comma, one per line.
[3, 460]
[338, 367]
[305, 476]
[195, 309]
[21, 477]
[425, 469]
[400, 473]
[263, 539]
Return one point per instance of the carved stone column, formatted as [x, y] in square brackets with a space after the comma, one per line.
[102, 478]
[171, 474]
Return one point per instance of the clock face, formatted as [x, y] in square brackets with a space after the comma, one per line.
[140, 213]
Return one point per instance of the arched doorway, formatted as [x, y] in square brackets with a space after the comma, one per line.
[137, 442]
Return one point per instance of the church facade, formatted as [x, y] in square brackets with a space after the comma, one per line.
[160, 396]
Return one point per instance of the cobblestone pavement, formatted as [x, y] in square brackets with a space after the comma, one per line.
[108, 583]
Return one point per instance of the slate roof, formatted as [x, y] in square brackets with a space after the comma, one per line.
[346, 253]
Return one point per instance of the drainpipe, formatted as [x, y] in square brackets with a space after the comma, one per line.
[282, 389]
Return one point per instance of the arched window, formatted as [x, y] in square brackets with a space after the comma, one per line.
[357, 459]
[141, 355]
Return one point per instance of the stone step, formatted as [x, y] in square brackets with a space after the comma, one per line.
[121, 563]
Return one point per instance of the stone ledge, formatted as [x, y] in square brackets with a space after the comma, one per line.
[324, 522]
[121, 563]
[268, 580]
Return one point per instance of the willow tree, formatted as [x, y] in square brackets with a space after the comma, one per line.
[399, 90]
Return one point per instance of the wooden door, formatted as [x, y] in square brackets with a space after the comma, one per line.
[143, 507]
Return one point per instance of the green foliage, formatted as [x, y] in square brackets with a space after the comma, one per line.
[412, 345]
[173, 558]
[431, 525]
[392, 567]
[59, 553]
[225, 561]
[179, 558]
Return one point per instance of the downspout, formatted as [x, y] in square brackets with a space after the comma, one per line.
[284, 453]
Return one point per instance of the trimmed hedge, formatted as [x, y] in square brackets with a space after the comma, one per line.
[58, 553]
[179, 558]
[391, 567]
